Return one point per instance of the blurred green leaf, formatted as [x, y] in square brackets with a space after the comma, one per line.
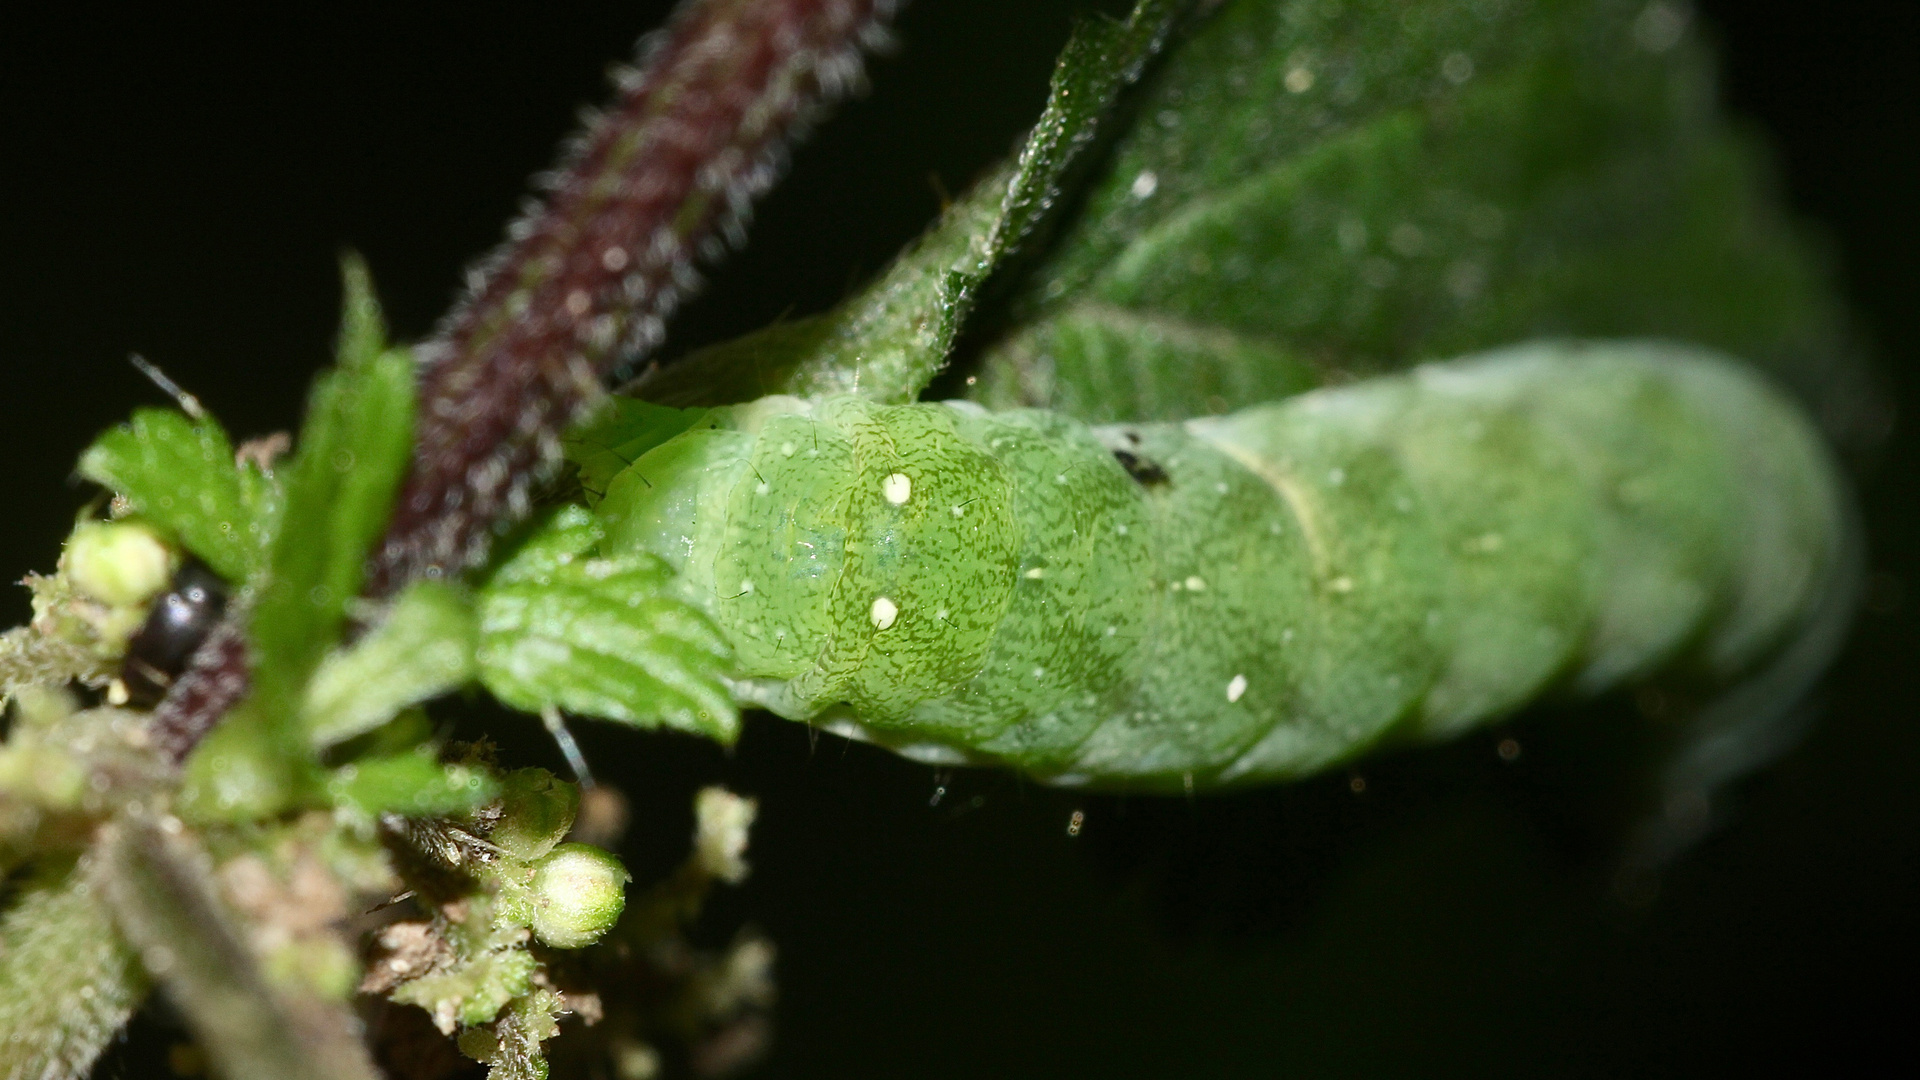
[248, 767]
[363, 326]
[340, 487]
[563, 628]
[411, 784]
[421, 649]
[180, 474]
[1359, 187]
[353, 451]
[888, 342]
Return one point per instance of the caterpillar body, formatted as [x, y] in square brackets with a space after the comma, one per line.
[1248, 597]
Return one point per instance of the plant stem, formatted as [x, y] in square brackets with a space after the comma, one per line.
[586, 282]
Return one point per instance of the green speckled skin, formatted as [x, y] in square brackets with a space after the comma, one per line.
[1265, 594]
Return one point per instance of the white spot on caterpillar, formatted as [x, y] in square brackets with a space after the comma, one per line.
[1145, 184]
[898, 488]
[1341, 584]
[1039, 673]
[1059, 478]
[1112, 630]
[1235, 687]
[941, 614]
[1221, 488]
[1036, 573]
[762, 489]
[959, 511]
[1120, 529]
[884, 612]
[786, 449]
[1196, 583]
[746, 585]
[1336, 476]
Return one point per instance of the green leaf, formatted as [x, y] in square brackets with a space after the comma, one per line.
[888, 342]
[363, 327]
[180, 474]
[617, 435]
[411, 784]
[1361, 187]
[250, 766]
[340, 490]
[420, 650]
[607, 637]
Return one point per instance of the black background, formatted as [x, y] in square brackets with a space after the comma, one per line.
[179, 183]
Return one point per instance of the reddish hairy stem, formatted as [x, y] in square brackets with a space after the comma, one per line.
[584, 283]
[587, 281]
[215, 680]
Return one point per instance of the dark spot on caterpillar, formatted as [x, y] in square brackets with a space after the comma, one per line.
[1145, 472]
[180, 621]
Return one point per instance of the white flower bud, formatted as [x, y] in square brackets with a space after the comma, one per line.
[122, 564]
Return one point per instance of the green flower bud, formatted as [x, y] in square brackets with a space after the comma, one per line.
[118, 563]
[578, 894]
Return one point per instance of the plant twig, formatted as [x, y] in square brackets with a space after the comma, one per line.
[587, 281]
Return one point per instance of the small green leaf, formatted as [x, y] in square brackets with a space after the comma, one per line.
[180, 474]
[606, 637]
[412, 784]
[420, 650]
[617, 435]
[245, 769]
[340, 491]
[363, 327]
[888, 342]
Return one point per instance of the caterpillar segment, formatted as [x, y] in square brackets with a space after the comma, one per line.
[1250, 597]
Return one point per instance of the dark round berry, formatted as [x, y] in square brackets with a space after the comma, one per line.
[179, 622]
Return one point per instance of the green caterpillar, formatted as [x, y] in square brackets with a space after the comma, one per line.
[1249, 597]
